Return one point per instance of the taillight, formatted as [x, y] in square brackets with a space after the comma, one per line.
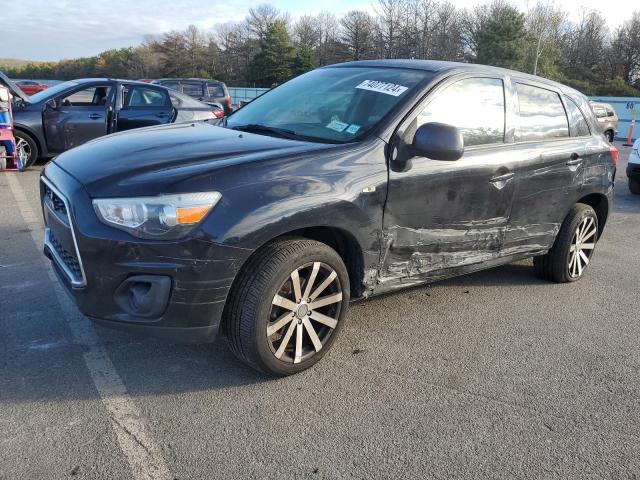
[614, 154]
[218, 113]
[229, 102]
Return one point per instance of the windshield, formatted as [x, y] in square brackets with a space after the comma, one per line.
[331, 104]
[53, 91]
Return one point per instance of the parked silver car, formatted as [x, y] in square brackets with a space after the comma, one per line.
[607, 119]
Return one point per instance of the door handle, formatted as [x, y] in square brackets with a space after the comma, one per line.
[95, 116]
[574, 160]
[502, 178]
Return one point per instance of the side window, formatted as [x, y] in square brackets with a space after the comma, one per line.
[138, 96]
[193, 89]
[610, 113]
[88, 97]
[215, 90]
[542, 116]
[475, 105]
[600, 112]
[577, 123]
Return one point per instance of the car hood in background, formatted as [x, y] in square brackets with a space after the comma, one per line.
[155, 160]
[13, 88]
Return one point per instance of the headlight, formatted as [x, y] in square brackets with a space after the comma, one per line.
[163, 217]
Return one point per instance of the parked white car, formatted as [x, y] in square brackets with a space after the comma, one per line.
[633, 168]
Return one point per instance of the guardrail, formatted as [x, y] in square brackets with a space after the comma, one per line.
[244, 94]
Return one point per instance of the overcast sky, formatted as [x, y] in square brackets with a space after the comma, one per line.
[56, 29]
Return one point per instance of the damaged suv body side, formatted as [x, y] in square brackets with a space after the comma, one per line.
[346, 182]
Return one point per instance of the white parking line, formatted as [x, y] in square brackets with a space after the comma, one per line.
[129, 426]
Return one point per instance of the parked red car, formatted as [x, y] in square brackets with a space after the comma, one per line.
[31, 87]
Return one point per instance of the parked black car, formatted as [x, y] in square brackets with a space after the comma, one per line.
[203, 89]
[72, 113]
[346, 182]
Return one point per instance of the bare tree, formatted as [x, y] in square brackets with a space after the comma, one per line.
[357, 34]
[543, 22]
[261, 18]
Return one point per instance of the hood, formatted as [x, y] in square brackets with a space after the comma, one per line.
[13, 88]
[155, 160]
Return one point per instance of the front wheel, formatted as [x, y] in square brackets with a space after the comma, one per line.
[634, 186]
[26, 149]
[573, 249]
[287, 306]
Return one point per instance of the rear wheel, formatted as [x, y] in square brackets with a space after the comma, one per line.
[567, 261]
[609, 135]
[634, 186]
[26, 148]
[287, 306]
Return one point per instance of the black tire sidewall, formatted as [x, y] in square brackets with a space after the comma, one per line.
[32, 144]
[634, 186]
[315, 252]
[576, 217]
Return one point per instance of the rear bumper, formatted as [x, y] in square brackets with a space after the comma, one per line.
[172, 289]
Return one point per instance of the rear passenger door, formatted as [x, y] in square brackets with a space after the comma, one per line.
[442, 216]
[143, 106]
[549, 174]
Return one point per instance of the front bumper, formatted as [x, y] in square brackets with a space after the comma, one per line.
[173, 289]
[633, 170]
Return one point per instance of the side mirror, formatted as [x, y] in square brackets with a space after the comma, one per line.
[51, 103]
[438, 141]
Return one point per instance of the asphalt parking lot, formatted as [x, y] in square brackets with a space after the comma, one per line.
[493, 375]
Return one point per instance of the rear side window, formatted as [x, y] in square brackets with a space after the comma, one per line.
[600, 112]
[610, 113]
[475, 106]
[542, 115]
[193, 89]
[577, 123]
[215, 90]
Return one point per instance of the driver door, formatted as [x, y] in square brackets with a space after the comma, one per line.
[78, 117]
[442, 217]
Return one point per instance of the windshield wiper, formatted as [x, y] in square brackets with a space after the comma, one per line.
[256, 127]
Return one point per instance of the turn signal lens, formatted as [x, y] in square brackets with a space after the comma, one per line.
[190, 215]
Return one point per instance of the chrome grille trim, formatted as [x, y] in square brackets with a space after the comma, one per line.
[73, 277]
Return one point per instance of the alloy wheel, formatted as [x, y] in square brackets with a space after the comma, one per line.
[24, 150]
[301, 321]
[582, 245]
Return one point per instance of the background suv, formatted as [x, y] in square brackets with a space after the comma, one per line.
[607, 119]
[205, 90]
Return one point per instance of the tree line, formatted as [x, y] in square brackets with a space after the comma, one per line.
[268, 47]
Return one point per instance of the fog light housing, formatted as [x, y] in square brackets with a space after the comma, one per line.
[144, 296]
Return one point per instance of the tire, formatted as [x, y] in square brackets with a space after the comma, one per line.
[263, 329]
[609, 135]
[634, 186]
[29, 147]
[579, 232]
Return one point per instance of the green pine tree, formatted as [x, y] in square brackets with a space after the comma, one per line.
[501, 39]
[272, 65]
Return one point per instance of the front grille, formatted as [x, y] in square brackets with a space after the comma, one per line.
[60, 238]
[68, 258]
[54, 201]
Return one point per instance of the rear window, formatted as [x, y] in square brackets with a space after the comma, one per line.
[577, 123]
[183, 101]
[193, 89]
[542, 115]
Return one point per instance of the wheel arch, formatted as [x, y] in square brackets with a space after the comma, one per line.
[27, 131]
[600, 203]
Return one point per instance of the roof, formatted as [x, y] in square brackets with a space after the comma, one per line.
[438, 66]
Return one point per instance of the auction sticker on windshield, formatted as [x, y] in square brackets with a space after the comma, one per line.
[382, 87]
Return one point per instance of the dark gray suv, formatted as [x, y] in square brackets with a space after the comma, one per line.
[346, 182]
